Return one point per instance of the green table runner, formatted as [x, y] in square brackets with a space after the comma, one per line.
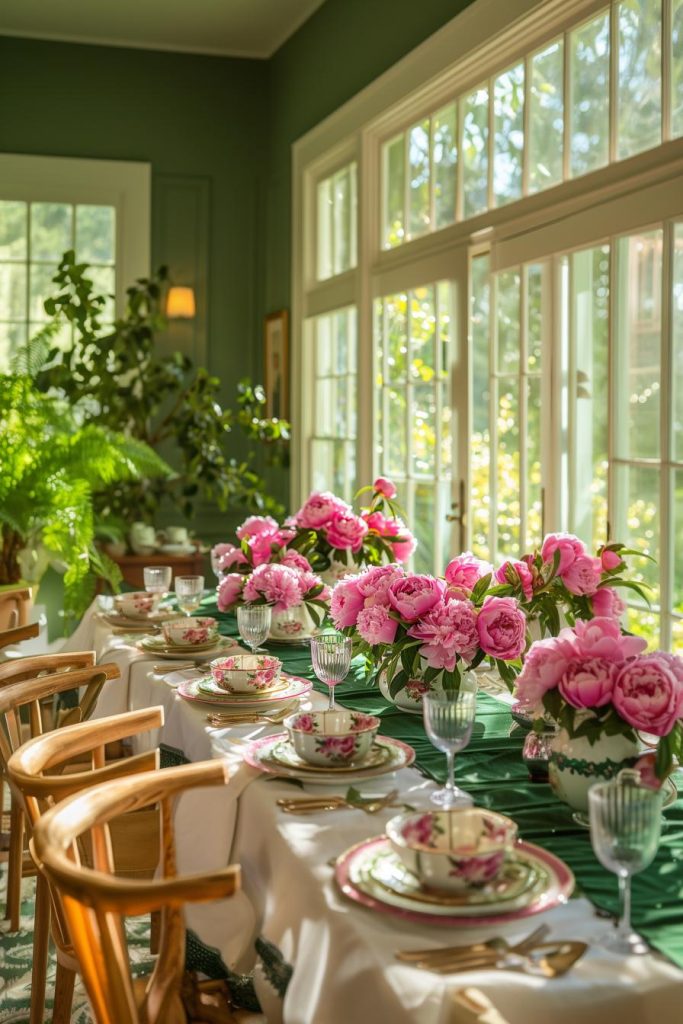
[491, 769]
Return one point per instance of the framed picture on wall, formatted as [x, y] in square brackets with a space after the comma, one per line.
[276, 364]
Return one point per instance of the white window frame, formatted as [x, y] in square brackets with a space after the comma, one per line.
[122, 184]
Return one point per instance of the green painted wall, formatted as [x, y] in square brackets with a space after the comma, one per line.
[343, 47]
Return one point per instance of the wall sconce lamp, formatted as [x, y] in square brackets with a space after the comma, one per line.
[180, 304]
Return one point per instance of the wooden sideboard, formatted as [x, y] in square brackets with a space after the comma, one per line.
[183, 565]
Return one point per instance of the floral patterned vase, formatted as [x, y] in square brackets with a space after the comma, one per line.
[337, 570]
[292, 624]
[410, 697]
[576, 765]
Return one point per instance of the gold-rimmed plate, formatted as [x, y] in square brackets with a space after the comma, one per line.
[295, 688]
[210, 687]
[285, 755]
[171, 652]
[259, 755]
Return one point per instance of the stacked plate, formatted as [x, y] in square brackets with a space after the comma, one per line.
[206, 691]
[532, 880]
[275, 755]
[159, 647]
[118, 619]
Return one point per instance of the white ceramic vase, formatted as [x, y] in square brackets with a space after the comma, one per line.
[576, 764]
[409, 698]
[293, 624]
[338, 570]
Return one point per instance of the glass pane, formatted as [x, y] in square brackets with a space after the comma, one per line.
[13, 229]
[418, 153]
[534, 318]
[340, 322]
[395, 439]
[480, 454]
[534, 504]
[677, 68]
[325, 233]
[41, 287]
[637, 349]
[11, 337]
[508, 137]
[677, 636]
[639, 99]
[589, 83]
[422, 334]
[51, 231]
[325, 407]
[425, 511]
[590, 339]
[325, 357]
[95, 238]
[12, 291]
[333, 467]
[507, 320]
[444, 300]
[342, 221]
[638, 525]
[678, 544]
[546, 117]
[446, 431]
[104, 283]
[677, 324]
[394, 192]
[507, 496]
[396, 328]
[424, 430]
[475, 134]
[444, 160]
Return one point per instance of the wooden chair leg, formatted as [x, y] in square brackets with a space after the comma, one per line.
[154, 932]
[14, 866]
[41, 936]
[64, 994]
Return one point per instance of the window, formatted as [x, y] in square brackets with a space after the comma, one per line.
[49, 205]
[519, 324]
[337, 223]
[334, 441]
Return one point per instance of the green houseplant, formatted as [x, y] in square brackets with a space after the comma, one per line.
[52, 465]
[115, 376]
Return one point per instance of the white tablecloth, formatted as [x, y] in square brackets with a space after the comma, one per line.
[343, 955]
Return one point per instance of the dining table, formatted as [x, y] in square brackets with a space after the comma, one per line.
[318, 956]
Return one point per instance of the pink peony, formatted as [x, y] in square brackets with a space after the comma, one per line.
[544, 666]
[230, 590]
[404, 547]
[376, 521]
[602, 638]
[502, 628]
[347, 602]
[648, 695]
[568, 545]
[413, 596]
[673, 663]
[610, 559]
[277, 584]
[374, 583]
[261, 547]
[449, 630]
[376, 626]
[648, 776]
[384, 487]
[230, 556]
[607, 603]
[319, 509]
[517, 574]
[295, 560]
[308, 581]
[346, 530]
[588, 683]
[255, 525]
[464, 571]
[583, 575]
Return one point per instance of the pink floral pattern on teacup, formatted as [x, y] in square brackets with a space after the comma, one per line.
[422, 830]
[261, 674]
[360, 722]
[195, 636]
[304, 723]
[477, 870]
[337, 748]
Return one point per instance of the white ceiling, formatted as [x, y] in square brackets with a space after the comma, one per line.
[234, 28]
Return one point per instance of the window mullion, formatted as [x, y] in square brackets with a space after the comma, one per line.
[613, 81]
[523, 386]
[667, 69]
[667, 488]
[493, 416]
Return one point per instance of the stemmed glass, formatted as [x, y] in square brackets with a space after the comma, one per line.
[215, 561]
[157, 579]
[449, 719]
[188, 592]
[331, 657]
[625, 822]
[253, 622]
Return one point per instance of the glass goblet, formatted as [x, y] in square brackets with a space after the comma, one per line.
[157, 579]
[625, 823]
[253, 623]
[215, 565]
[188, 592]
[331, 656]
[449, 719]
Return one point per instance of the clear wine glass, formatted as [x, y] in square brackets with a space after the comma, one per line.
[188, 592]
[215, 562]
[449, 719]
[331, 657]
[158, 579]
[253, 623]
[625, 823]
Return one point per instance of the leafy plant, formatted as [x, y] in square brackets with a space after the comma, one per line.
[114, 376]
[51, 466]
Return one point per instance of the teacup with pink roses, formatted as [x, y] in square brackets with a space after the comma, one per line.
[422, 632]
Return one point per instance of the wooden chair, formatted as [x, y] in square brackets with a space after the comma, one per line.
[75, 670]
[18, 633]
[35, 771]
[95, 902]
[15, 603]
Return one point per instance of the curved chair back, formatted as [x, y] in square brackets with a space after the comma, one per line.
[95, 902]
[16, 634]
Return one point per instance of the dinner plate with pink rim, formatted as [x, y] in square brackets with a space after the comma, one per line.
[158, 647]
[259, 755]
[363, 874]
[296, 687]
